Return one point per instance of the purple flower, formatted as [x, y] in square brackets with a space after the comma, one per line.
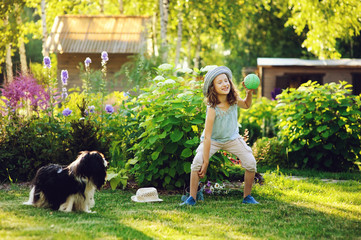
[92, 109]
[208, 191]
[208, 184]
[24, 88]
[109, 108]
[105, 56]
[67, 112]
[64, 94]
[275, 93]
[64, 76]
[47, 62]
[87, 62]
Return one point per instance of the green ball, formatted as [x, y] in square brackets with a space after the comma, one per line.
[251, 81]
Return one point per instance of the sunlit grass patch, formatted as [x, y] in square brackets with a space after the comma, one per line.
[288, 209]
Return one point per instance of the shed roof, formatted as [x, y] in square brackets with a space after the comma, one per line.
[345, 62]
[94, 34]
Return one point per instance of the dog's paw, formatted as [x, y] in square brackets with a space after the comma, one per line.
[27, 203]
[90, 211]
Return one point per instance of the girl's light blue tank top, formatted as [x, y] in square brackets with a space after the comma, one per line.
[225, 126]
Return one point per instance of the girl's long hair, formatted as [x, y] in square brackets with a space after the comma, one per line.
[212, 99]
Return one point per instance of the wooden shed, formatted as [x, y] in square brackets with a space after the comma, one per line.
[74, 38]
[292, 72]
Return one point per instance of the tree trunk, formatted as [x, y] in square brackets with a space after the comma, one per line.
[198, 51]
[22, 53]
[9, 63]
[101, 6]
[164, 8]
[45, 32]
[154, 34]
[121, 8]
[179, 37]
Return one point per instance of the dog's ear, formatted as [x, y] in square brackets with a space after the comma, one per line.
[91, 165]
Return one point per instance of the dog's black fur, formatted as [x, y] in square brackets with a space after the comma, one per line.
[68, 188]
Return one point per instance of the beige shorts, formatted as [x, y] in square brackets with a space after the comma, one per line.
[237, 147]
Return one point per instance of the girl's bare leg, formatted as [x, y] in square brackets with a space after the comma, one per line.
[248, 182]
[194, 184]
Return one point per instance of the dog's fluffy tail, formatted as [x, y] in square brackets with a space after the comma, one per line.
[31, 197]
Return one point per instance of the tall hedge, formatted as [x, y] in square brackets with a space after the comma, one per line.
[322, 125]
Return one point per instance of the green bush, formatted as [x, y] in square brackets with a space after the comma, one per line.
[322, 125]
[270, 152]
[27, 145]
[260, 119]
[171, 115]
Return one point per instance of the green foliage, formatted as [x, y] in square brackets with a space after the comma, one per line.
[325, 22]
[26, 145]
[260, 119]
[171, 114]
[322, 125]
[138, 71]
[270, 152]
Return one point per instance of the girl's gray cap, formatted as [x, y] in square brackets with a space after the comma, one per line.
[212, 74]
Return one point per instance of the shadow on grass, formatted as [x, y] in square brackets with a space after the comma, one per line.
[219, 217]
[36, 223]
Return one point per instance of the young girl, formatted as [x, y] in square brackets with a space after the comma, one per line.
[221, 131]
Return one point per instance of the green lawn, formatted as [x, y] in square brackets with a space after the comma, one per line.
[307, 209]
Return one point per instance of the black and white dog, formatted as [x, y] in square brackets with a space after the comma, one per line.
[69, 188]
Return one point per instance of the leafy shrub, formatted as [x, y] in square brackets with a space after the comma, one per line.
[138, 71]
[270, 152]
[171, 114]
[322, 125]
[28, 145]
[260, 119]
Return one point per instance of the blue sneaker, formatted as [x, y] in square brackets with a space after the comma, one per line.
[190, 201]
[249, 200]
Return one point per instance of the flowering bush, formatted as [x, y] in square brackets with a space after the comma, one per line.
[24, 93]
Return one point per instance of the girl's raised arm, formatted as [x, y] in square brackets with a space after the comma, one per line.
[247, 101]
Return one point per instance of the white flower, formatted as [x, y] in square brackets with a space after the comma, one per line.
[192, 82]
[160, 84]
[169, 81]
[185, 70]
[183, 95]
[159, 78]
[208, 68]
[165, 67]
[217, 186]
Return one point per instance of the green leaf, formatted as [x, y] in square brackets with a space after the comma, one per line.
[155, 155]
[171, 148]
[321, 128]
[187, 167]
[133, 161]
[172, 172]
[325, 134]
[153, 139]
[176, 135]
[163, 135]
[328, 146]
[167, 179]
[187, 152]
[197, 121]
[178, 184]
